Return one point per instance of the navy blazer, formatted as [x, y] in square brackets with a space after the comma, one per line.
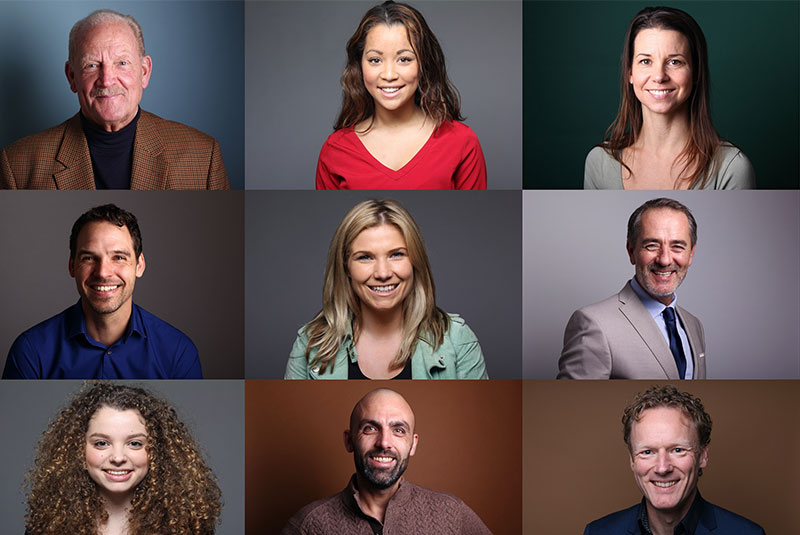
[713, 520]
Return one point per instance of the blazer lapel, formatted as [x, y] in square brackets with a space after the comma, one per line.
[73, 154]
[641, 320]
[693, 334]
[149, 165]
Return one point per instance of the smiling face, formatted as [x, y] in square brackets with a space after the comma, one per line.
[116, 458]
[105, 268]
[666, 459]
[661, 73]
[380, 270]
[390, 67]
[108, 74]
[381, 438]
[662, 253]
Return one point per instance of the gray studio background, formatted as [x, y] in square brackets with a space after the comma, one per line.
[198, 67]
[473, 241]
[742, 284]
[193, 247]
[295, 55]
[213, 411]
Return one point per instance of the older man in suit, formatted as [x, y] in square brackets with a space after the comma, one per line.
[641, 333]
[667, 433]
[112, 143]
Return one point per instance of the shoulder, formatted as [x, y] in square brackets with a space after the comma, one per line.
[173, 132]
[727, 520]
[47, 141]
[155, 326]
[344, 135]
[457, 132]
[613, 524]
[735, 170]
[54, 326]
[601, 170]
[602, 307]
[315, 516]
[459, 332]
[434, 499]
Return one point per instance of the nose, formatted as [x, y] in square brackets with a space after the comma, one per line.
[103, 268]
[663, 463]
[383, 270]
[106, 74]
[117, 455]
[383, 440]
[664, 257]
[660, 74]
[388, 72]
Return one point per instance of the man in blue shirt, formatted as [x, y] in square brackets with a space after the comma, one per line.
[667, 433]
[104, 335]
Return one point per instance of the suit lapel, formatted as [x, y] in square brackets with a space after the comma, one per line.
[641, 320]
[693, 334]
[73, 154]
[149, 165]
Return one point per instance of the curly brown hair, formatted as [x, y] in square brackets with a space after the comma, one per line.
[179, 494]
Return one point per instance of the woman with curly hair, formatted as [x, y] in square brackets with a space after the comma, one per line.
[379, 318]
[399, 123]
[118, 461]
[662, 137]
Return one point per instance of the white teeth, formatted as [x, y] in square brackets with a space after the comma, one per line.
[663, 273]
[665, 484]
[659, 91]
[384, 288]
[390, 89]
[383, 459]
[117, 472]
[105, 288]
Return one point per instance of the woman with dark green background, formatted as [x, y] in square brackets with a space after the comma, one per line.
[663, 137]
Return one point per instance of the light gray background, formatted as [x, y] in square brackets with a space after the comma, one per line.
[295, 55]
[213, 411]
[193, 244]
[198, 67]
[473, 241]
[742, 284]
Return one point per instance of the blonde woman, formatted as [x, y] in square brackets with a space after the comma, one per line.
[379, 318]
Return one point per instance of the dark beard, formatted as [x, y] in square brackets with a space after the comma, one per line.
[382, 479]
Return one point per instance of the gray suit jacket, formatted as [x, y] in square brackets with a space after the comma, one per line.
[618, 339]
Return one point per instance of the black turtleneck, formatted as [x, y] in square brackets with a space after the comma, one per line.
[112, 153]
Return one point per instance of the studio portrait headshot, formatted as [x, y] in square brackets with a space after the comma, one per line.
[389, 290]
[657, 458]
[636, 286]
[114, 141]
[668, 96]
[132, 319]
[383, 459]
[389, 95]
[118, 458]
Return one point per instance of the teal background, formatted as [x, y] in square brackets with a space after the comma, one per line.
[571, 71]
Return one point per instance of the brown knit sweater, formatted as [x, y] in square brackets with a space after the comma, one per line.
[413, 510]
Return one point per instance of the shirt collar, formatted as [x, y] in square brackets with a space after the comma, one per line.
[687, 525]
[653, 306]
[76, 323]
[401, 496]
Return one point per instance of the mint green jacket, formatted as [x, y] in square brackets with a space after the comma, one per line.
[459, 357]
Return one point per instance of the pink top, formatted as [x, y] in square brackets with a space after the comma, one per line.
[451, 159]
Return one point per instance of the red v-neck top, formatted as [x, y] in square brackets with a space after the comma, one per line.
[451, 159]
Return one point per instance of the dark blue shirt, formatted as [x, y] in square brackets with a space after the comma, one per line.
[60, 348]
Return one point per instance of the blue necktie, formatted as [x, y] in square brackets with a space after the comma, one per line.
[675, 344]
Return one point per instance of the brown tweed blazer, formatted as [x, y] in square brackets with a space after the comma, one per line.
[166, 155]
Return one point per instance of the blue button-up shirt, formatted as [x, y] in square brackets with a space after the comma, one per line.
[60, 348]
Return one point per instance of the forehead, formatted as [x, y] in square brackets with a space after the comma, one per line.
[652, 40]
[108, 420]
[104, 233]
[663, 425]
[381, 235]
[386, 38]
[385, 407]
[666, 223]
[113, 34]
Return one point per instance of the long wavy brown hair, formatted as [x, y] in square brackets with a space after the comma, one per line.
[178, 496]
[698, 159]
[341, 307]
[436, 95]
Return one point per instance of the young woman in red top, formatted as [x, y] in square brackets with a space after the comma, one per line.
[398, 127]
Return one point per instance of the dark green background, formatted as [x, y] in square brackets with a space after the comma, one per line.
[571, 57]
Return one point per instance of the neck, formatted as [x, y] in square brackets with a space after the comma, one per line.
[381, 324]
[409, 115]
[663, 134]
[663, 522]
[373, 501]
[117, 508]
[107, 328]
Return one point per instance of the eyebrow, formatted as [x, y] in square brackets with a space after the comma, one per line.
[396, 423]
[668, 55]
[115, 251]
[646, 241]
[103, 435]
[401, 51]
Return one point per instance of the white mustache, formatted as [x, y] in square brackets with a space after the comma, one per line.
[108, 92]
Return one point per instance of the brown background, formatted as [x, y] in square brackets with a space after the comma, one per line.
[577, 468]
[469, 445]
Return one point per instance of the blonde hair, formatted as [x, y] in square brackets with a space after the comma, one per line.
[341, 307]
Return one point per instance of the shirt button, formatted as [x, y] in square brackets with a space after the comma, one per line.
[315, 369]
[108, 352]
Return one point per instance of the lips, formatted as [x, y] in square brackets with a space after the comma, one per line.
[390, 90]
[386, 289]
[117, 476]
[659, 93]
[664, 484]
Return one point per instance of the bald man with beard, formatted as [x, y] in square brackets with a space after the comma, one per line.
[378, 500]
